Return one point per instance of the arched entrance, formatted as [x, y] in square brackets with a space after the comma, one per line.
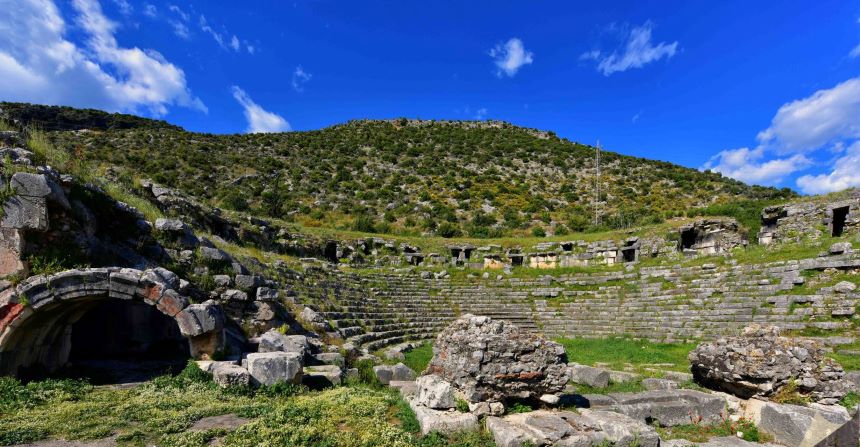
[50, 322]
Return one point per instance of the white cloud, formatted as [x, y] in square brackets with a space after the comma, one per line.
[810, 123]
[845, 174]
[259, 120]
[124, 6]
[510, 57]
[637, 51]
[179, 23]
[182, 14]
[300, 78]
[747, 165]
[150, 10]
[223, 40]
[47, 68]
[481, 114]
[855, 52]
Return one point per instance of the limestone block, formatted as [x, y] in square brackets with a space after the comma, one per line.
[274, 341]
[229, 374]
[445, 422]
[30, 185]
[322, 376]
[222, 280]
[587, 375]
[651, 384]
[25, 213]
[267, 294]
[234, 295]
[268, 368]
[125, 283]
[248, 282]
[435, 392]
[670, 408]
[797, 426]
[171, 302]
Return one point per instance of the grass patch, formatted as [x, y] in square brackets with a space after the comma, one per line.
[161, 411]
[850, 400]
[632, 386]
[620, 351]
[851, 362]
[703, 432]
[419, 357]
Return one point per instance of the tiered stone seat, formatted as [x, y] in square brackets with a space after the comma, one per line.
[667, 303]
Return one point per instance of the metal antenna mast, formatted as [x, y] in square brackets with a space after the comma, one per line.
[597, 185]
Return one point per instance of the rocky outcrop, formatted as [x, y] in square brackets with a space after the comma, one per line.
[493, 360]
[761, 363]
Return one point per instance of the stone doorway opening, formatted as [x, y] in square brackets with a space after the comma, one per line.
[118, 341]
[628, 254]
[330, 252]
[838, 223]
[688, 239]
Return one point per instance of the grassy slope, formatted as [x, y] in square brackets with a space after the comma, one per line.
[411, 177]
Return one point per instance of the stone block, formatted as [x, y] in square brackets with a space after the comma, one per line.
[329, 358]
[30, 185]
[587, 375]
[267, 294]
[652, 384]
[248, 282]
[274, 341]
[229, 374]
[435, 392]
[796, 426]
[322, 376]
[25, 213]
[125, 283]
[445, 422]
[268, 368]
[670, 408]
[171, 303]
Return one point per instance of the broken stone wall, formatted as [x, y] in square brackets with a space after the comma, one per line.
[795, 222]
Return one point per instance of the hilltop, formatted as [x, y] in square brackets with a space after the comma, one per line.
[449, 178]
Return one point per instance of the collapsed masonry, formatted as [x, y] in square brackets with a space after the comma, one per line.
[795, 222]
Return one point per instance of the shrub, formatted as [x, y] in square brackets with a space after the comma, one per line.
[448, 230]
[363, 224]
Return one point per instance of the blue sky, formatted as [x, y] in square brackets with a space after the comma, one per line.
[766, 92]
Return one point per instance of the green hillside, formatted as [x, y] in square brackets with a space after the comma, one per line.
[462, 178]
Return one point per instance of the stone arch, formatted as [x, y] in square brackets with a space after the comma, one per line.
[36, 315]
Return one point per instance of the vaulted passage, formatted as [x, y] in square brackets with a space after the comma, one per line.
[106, 340]
[125, 341]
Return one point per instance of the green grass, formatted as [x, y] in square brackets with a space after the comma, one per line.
[850, 400]
[419, 358]
[850, 362]
[620, 351]
[698, 432]
[162, 410]
[632, 386]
